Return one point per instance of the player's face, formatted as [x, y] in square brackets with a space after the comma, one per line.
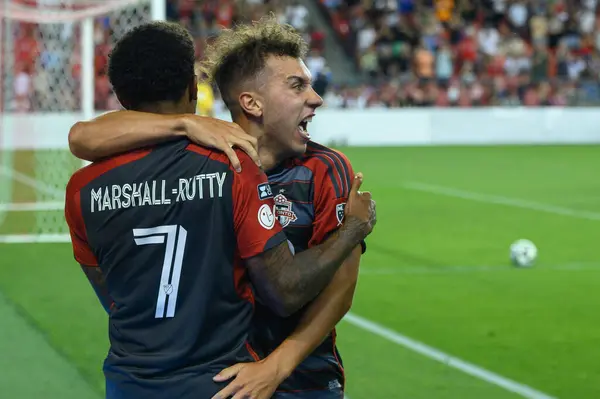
[289, 105]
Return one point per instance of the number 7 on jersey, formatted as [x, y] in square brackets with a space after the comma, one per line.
[171, 269]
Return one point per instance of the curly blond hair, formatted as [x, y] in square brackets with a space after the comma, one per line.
[240, 53]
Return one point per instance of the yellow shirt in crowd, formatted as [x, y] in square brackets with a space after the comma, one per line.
[206, 100]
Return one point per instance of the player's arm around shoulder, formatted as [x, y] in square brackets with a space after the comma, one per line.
[120, 131]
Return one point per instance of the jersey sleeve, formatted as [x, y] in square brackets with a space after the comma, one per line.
[257, 229]
[333, 180]
[74, 218]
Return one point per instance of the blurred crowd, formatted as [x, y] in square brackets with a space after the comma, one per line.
[407, 52]
[469, 52]
[205, 18]
[47, 58]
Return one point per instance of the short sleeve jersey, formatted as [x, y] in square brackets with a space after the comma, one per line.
[169, 227]
[310, 194]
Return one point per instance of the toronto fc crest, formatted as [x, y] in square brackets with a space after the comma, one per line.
[283, 210]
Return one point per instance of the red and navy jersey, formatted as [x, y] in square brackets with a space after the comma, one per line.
[169, 228]
[310, 193]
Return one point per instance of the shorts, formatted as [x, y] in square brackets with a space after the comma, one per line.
[336, 393]
[186, 388]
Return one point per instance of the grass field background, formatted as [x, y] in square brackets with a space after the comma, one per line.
[436, 270]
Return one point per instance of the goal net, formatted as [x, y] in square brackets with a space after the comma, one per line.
[53, 56]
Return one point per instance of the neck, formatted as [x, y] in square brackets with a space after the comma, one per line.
[269, 156]
[162, 108]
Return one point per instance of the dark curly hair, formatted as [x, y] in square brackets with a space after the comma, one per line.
[151, 63]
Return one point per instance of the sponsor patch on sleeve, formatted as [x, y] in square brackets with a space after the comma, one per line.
[264, 191]
[266, 217]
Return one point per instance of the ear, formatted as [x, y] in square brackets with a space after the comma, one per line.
[251, 103]
[193, 89]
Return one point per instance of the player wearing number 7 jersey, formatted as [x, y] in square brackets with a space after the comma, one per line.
[170, 237]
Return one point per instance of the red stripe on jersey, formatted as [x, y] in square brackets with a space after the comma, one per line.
[252, 351]
[85, 175]
[338, 165]
[256, 228]
[74, 217]
[212, 154]
[240, 274]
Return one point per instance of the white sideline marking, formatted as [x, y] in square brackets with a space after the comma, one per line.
[451, 361]
[31, 182]
[32, 206]
[410, 269]
[500, 200]
[34, 238]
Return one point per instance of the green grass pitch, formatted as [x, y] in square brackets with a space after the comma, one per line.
[436, 270]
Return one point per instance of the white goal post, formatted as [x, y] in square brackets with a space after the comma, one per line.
[52, 59]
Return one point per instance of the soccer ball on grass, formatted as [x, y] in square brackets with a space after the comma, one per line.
[523, 253]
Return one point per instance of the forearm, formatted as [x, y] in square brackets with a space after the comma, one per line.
[105, 300]
[286, 282]
[121, 131]
[309, 272]
[98, 283]
[320, 318]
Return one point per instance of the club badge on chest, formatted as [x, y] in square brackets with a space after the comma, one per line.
[283, 210]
